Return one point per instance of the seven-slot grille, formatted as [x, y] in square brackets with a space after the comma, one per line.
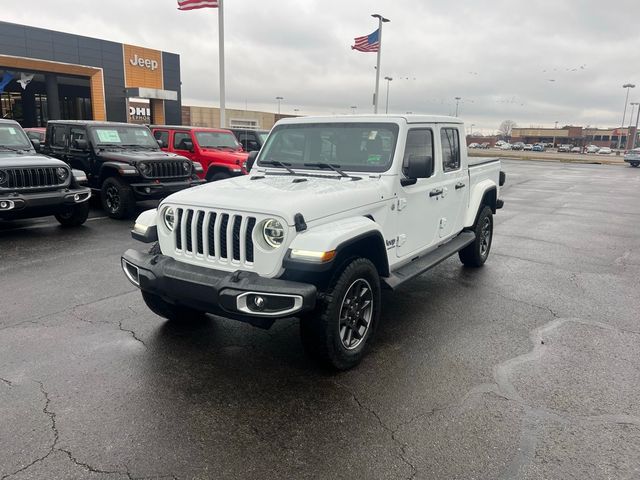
[34, 177]
[167, 169]
[222, 236]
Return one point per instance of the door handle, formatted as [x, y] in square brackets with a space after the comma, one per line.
[460, 185]
[435, 192]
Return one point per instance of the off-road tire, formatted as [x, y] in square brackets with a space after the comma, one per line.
[74, 216]
[170, 311]
[635, 164]
[219, 176]
[117, 198]
[475, 254]
[320, 330]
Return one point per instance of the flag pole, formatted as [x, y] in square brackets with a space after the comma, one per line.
[221, 58]
[381, 20]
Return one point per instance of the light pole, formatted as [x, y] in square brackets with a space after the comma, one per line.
[279, 99]
[554, 134]
[471, 133]
[635, 135]
[628, 86]
[388, 79]
[457, 104]
[381, 20]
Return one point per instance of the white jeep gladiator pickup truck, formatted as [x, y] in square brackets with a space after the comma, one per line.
[333, 210]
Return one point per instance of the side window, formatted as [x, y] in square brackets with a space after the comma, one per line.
[162, 135]
[450, 139]
[58, 136]
[179, 139]
[419, 144]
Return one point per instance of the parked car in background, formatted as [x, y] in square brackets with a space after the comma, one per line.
[593, 149]
[499, 143]
[505, 146]
[538, 147]
[251, 140]
[528, 147]
[122, 162]
[632, 157]
[517, 146]
[474, 145]
[565, 147]
[605, 151]
[217, 150]
[36, 133]
[576, 150]
[485, 145]
[33, 185]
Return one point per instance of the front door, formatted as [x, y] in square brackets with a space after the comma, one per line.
[417, 206]
[79, 157]
[180, 141]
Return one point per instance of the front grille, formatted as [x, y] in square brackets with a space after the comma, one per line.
[34, 177]
[167, 169]
[221, 236]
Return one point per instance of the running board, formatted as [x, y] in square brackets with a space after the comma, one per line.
[430, 260]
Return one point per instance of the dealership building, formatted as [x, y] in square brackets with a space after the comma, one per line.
[577, 136]
[49, 75]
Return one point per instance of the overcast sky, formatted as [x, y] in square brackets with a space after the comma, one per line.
[532, 62]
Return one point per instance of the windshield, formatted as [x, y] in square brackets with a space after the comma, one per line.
[263, 136]
[364, 147]
[12, 136]
[216, 140]
[124, 135]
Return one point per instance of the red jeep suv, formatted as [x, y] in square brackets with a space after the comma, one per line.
[217, 150]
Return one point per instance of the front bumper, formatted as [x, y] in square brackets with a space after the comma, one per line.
[154, 190]
[233, 295]
[39, 204]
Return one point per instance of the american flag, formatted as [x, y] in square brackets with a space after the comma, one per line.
[193, 4]
[368, 43]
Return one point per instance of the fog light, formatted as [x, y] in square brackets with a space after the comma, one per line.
[6, 205]
[147, 190]
[258, 303]
[76, 197]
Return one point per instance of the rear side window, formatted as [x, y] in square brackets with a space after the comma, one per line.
[58, 136]
[179, 140]
[419, 144]
[162, 135]
[450, 139]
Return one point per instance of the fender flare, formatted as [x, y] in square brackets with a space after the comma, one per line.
[477, 199]
[117, 167]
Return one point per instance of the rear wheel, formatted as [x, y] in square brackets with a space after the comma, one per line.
[170, 311]
[338, 332]
[635, 164]
[475, 254]
[117, 198]
[74, 215]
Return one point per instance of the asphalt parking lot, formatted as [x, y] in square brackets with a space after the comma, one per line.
[527, 368]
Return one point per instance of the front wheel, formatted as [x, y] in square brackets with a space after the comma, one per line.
[117, 198]
[338, 332]
[475, 254]
[74, 216]
[635, 164]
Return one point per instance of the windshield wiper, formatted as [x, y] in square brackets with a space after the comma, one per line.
[331, 166]
[104, 146]
[277, 163]
[14, 149]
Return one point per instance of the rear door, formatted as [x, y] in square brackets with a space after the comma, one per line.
[454, 182]
[57, 137]
[79, 157]
[162, 135]
[417, 208]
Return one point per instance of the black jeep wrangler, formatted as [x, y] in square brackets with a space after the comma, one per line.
[122, 161]
[32, 185]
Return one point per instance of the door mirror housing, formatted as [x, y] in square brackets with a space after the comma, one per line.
[419, 166]
[36, 144]
[80, 144]
[187, 144]
[251, 159]
[160, 143]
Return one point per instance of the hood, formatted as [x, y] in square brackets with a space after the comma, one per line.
[224, 155]
[134, 156]
[11, 160]
[284, 196]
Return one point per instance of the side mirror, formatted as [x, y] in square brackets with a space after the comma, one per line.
[160, 143]
[419, 167]
[188, 145]
[251, 159]
[80, 144]
[36, 144]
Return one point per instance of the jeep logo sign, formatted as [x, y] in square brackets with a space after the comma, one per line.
[137, 61]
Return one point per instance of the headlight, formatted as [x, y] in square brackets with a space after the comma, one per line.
[169, 218]
[3, 177]
[186, 166]
[145, 168]
[62, 173]
[273, 232]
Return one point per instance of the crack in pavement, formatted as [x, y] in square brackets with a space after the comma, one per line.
[6, 382]
[132, 333]
[386, 428]
[93, 469]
